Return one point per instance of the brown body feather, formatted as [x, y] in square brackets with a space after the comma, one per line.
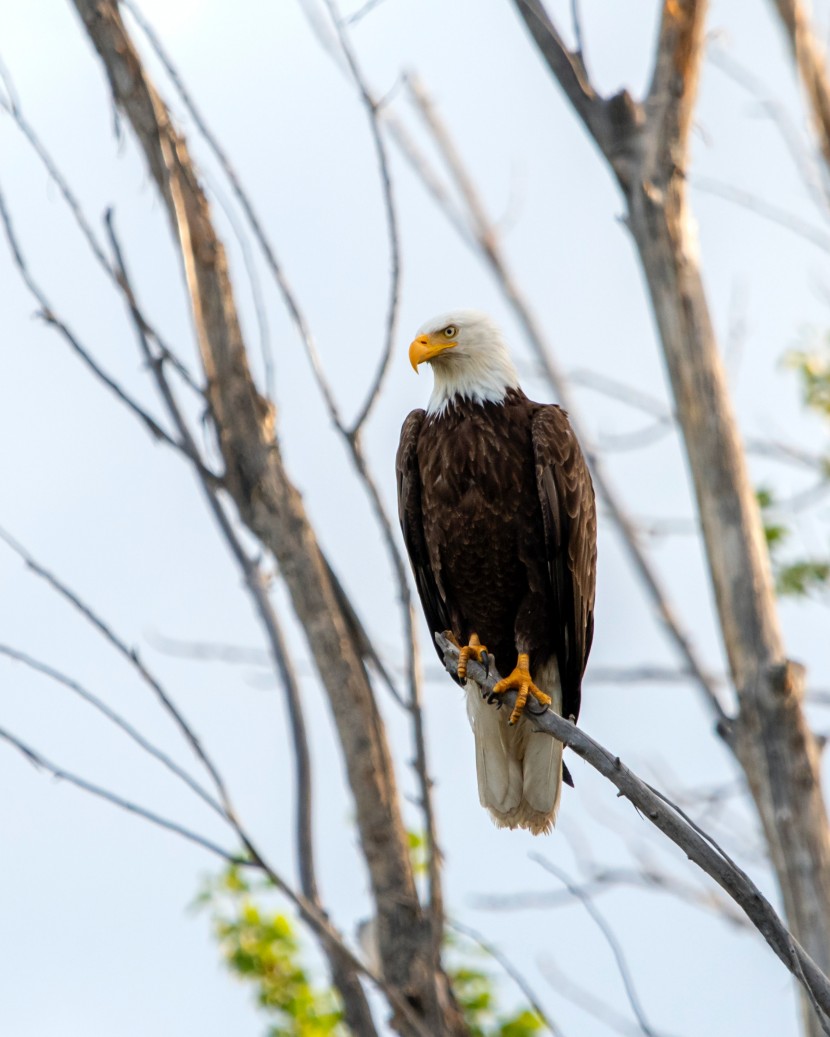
[497, 510]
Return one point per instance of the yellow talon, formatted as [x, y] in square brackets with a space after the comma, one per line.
[520, 680]
[474, 649]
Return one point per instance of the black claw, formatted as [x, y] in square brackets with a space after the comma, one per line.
[484, 659]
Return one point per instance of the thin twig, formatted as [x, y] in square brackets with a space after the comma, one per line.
[371, 106]
[115, 718]
[605, 880]
[510, 969]
[361, 12]
[48, 314]
[14, 109]
[787, 453]
[587, 1000]
[675, 824]
[132, 657]
[761, 207]
[804, 162]
[579, 893]
[40, 761]
[254, 221]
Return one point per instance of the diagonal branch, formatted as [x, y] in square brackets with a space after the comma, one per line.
[609, 936]
[40, 761]
[345, 978]
[132, 657]
[48, 314]
[811, 61]
[390, 211]
[119, 721]
[674, 824]
[511, 970]
[770, 736]
[271, 507]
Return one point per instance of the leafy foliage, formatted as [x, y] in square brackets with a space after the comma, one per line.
[801, 576]
[813, 368]
[797, 578]
[260, 946]
[474, 990]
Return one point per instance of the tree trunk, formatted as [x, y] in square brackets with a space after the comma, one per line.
[272, 508]
[646, 145]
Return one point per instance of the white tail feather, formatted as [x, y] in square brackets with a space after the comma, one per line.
[519, 770]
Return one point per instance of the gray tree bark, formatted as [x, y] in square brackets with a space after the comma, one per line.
[270, 506]
[646, 146]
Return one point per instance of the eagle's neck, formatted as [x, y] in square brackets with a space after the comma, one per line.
[485, 379]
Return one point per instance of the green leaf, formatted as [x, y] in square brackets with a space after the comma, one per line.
[260, 947]
[799, 579]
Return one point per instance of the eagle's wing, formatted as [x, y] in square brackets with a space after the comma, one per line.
[566, 494]
[412, 526]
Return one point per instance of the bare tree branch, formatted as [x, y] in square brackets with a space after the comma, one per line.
[132, 657]
[609, 936]
[761, 207]
[587, 1000]
[356, 1007]
[605, 880]
[119, 721]
[73, 204]
[390, 211]
[811, 63]
[48, 314]
[40, 761]
[510, 969]
[806, 164]
[271, 507]
[676, 825]
[647, 150]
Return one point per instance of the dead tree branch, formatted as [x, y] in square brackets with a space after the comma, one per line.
[674, 824]
[646, 146]
[511, 970]
[270, 506]
[811, 62]
[344, 977]
[117, 719]
[587, 901]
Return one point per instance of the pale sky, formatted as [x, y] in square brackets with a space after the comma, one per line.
[96, 934]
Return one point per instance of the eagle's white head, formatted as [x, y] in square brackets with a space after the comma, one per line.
[468, 356]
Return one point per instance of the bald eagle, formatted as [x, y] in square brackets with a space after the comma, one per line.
[497, 511]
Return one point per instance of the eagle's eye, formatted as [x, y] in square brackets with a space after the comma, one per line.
[451, 331]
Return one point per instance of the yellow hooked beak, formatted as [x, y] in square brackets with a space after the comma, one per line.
[426, 347]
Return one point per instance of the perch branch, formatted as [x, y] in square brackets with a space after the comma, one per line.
[676, 825]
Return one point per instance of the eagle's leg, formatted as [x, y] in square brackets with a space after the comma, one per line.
[520, 680]
[477, 651]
